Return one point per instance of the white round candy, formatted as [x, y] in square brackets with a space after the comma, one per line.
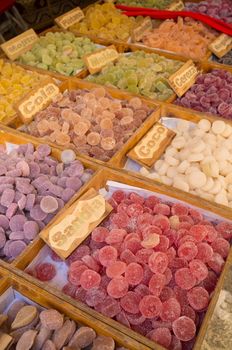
[181, 185]
[204, 124]
[218, 126]
[183, 166]
[171, 160]
[228, 131]
[197, 179]
[195, 157]
[158, 164]
[163, 169]
[209, 185]
[178, 142]
[172, 172]
[216, 188]
[68, 156]
[221, 198]
[166, 180]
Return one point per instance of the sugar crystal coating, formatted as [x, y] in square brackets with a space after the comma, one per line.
[220, 9]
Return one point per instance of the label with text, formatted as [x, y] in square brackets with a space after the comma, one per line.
[69, 231]
[100, 58]
[221, 46]
[152, 145]
[69, 18]
[176, 6]
[15, 47]
[184, 78]
[37, 100]
[139, 31]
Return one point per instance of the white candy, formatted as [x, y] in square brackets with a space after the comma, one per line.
[181, 185]
[197, 179]
[166, 180]
[163, 169]
[216, 188]
[195, 157]
[228, 131]
[221, 198]
[204, 124]
[68, 156]
[178, 142]
[183, 166]
[172, 171]
[218, 126]
[158, 164]
[171, 160]
[209, 185]
[171, 151]
[196, 145]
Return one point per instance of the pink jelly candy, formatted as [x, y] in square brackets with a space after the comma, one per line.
[157, 283]
[171, 310]
[90, 279]
[158, 262]
[116, 269]
[134, 274]
[45, 271]
[198, 298]
[184, 328]
[107, 255]
[118, 287]
[130, 302]
[184, 278]
[150, 306]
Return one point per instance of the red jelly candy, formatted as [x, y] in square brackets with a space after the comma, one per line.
[188, 311]
[150, 306]
[130, 302]
[116, 269]
[95, 296]
[179, 209]
[161, 221]
[163, 244]
[127, 256]
[134, 274]
[133, 245]
[134, 210]
[181, 295]
[199, 232]
[120, 219]
[171, 310]
[91, 262]
[142, 290]
[216, 263]
[136, 198]
[144, 220]
[148, 230]
[136, 320]
[205, 252]
[168, 275]
[195, 215]
[210, 282]
[69, 289]
[158, 262]
[45, 271]
[109, 307]
[184, 278]
[151, 201]
[115, 236]
[198, 298]
[157, 283]
[118, 287]
[75, 272]
[198, 269]
[122, 318]
[119, 196]
[184, 328]
[143, 255]
[163, 209]
[107, 255]
[188, 251]
[90, 279]
[161, 335]
[221, 246]
[225, 229]
[166, 294]
[99, 234]
[211, 234]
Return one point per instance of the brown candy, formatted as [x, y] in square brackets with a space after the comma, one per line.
[49, 345]
[14, 309]
[27, 340]
[102, 342]
[25, 316]
[83, 337]
[43, 335]
[62, 336]
[51, 319]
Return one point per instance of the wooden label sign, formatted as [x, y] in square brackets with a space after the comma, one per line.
[100, 58]
[37, 100]
[184, 78]
[152, 145]
[15, 47]
[69, 18]
[139, 31]
[221, 45]
[176, 6]
[77, 223]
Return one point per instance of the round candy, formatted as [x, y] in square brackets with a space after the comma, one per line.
[184, 328]
[130, 302]
[198, 298]
[158, 262]
[90, 279]
[45, 271]
[184, 278]
[134, 274]
[171, 310]
[118, 287]
[107, 255]
[49, 204]
[150, 306]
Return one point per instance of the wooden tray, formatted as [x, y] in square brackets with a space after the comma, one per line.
[45, 299]
[98, 182]
[115, 93]
[12, 136]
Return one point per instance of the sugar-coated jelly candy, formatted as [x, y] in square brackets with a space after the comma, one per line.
[45, 272]
[220, 9]
[118, 287]
[150, 306]
[184, 328]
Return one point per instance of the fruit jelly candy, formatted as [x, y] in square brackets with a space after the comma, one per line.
[157, 283]
[162, 336]
[59, 52]
[90, 279]
[86, 128]
[170, 35]
[158, 262]
[150, 4]
[117, 287]
[150, 306]
[184, 328]
[134, 274]
[184, 278]
[198, 269]
[220, 9]
[116, 269]
[107, 255]
[130, 302]
[45, 271]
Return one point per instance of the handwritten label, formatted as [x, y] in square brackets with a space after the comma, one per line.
[176, 6]
[139, 31]
[37, 100]
[221, 45]
[100, 58]
[184, 78]
[15, 47]
[69, 18]
[152, 145]
[78, 222]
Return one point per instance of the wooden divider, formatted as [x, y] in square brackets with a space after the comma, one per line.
[45, 299]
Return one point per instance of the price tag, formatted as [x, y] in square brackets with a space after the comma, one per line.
[100, 58]
[176, 6]
[184, 78]
[37, 100]
[5, 341]
[221, 45]
[69, 18]
[139, 31]
[77, 223]
[15, 47]
[152, 145]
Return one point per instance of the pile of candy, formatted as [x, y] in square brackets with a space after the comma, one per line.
[105, 21]
[34, 186]
[159, 4]
[227, 59]
[220, 9]
[33, 328]
[92, 122]
[151, 265]
[140, 73]
[198, 161]
[211, 93]
[185, 37]
[15, 82]
[59, 52]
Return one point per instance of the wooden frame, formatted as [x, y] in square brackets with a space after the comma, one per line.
[98, 182]
[46, 299]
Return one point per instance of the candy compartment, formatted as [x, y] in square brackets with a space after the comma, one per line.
[37, 182]
[30, 315]
[137, 252]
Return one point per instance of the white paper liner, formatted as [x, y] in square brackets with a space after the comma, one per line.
[62, 268]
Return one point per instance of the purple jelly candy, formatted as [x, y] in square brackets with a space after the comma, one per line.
[17, 222]
[30, 201]
[22, 202]
[17, 235]
[62, 181]
[44, 150]
[56, 190]
[16, 248]
[76, 169]
[2, 239]
[37, 213]
[7, 197]
[4, 222]
[34, 169]
[74, 183]
[11, 210]
[6, 249]
[31, 230]
[67, 194]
